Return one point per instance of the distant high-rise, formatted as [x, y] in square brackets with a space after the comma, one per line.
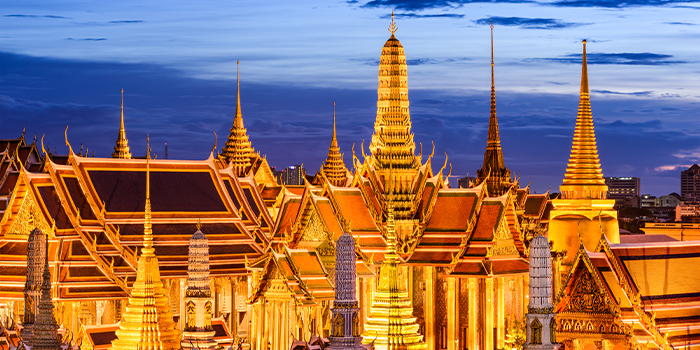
[690, 184]
[624, 190]
[291, 175]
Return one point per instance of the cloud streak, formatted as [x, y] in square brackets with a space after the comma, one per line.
[419, 5]
[37, 16]
[625, 58]
[410, 15]
[528, 23]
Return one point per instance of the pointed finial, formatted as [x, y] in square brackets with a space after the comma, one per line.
[238, 115]
[147, 226]
[333, 120]
[392, 28]
[199, 224]
[584, 71]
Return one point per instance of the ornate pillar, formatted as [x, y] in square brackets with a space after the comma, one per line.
[501, 314]
[430, 307]
[489, 309]
[452, 316]
[473, 335]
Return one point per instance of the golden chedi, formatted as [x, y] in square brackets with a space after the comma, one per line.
[147, 323]
[582, 210]
[390, 323]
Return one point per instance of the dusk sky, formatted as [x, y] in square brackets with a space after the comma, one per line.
[64, 63]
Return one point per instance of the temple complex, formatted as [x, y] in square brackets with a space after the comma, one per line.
[384, 252]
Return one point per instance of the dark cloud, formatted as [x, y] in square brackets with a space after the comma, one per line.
[127, 21]
[617, 3]
[626, 58]
[557, 83]
[681, 23]
[414, 61]
[528, 23]
[415, 15]
[87, 39]
[636, 93]
[419, 5]
[37, 16]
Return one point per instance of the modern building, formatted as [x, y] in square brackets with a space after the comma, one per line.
[291, 175]
[690, 184]
[622, 187]
[624, 190]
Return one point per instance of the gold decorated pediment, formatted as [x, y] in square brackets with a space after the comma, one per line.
[27, 219]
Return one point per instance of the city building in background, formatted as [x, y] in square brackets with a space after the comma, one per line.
[690, 184]
[292, 175]
[624, 190]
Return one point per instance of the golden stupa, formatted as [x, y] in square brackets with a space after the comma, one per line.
[390, 324]
[147, 323]
[582, 214]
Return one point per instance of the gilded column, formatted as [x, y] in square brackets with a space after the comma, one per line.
[489, 309]
[473, 335]
[501, 321]
[452, 316]
[430, 307]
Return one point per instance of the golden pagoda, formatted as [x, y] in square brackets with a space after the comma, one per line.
[390, 324]
[238, 151]
[121, 149]
[583, 210]
[392, 142]
[147, 322]
[333, 168]
[494, 171]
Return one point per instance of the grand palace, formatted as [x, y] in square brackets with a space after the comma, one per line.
[138, 253]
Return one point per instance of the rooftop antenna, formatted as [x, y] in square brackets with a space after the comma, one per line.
[166, 150]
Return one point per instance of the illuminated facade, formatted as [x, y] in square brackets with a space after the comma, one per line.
[424, 266]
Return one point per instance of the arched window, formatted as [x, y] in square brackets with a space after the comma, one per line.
[536, 335]
[338, 326]
[552, 331]
[356, 325]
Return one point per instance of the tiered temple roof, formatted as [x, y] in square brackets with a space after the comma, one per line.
[238, 152]
[94, 205]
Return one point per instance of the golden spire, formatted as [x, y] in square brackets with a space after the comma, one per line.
[121, 149]
[147, 322]
[147, 226]
[390, 323]
[334, 167]
[238, 149]
[494, 170]
[584, 177]
[392, 27]
[392, 141]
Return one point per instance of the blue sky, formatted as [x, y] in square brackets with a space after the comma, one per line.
[64, 62]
